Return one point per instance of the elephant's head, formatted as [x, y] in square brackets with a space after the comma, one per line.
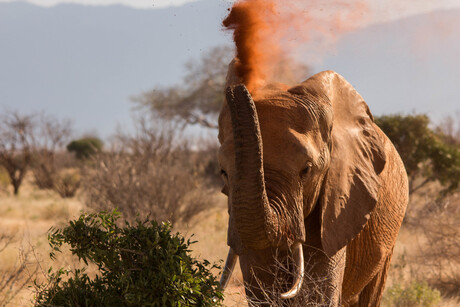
[300, 164]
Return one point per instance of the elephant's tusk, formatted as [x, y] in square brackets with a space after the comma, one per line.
[299, 272]
[228, 269]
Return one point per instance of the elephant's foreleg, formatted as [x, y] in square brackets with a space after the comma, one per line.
[372, 293]
[323, 281]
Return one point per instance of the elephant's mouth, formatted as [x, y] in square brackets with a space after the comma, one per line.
[298, 274]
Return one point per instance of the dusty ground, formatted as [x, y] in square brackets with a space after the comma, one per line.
[28, 217]
[33, 212]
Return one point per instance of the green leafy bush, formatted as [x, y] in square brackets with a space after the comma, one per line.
[424, 152]
[85, 147]
[138, 265]
[414, 294]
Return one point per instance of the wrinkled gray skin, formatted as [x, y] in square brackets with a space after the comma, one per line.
[307, 164]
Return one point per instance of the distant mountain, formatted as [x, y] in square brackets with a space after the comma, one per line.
[85, 62]
[408, 65]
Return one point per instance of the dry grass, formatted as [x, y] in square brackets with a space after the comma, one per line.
[29, 216]
[34, 211]
[428, 243]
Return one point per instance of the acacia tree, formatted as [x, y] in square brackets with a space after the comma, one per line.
[200, 96]
[85, 147]
[16, 145]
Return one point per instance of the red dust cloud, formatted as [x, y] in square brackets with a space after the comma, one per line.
[270, 32]
[250, 21]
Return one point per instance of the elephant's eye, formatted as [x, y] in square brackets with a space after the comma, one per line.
[223, 173]
[306, 170]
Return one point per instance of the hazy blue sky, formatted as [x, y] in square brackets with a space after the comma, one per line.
[86, 62]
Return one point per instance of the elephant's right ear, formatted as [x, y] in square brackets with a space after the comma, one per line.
[351, 186]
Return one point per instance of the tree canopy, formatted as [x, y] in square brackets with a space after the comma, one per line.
[85, 147]
[424, 151]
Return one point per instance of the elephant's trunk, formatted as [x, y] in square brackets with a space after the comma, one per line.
[250, 208]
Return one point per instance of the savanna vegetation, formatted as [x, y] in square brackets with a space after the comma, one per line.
[153, 175]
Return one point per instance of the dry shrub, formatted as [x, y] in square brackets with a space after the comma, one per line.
[15, 278]
[440, 222]
[67, 183]
[433, 222]
[426, 262]
[43, 176]
[150, 173]
[49, 139]
[48, 166]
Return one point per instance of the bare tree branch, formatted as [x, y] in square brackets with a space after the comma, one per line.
[52, 136]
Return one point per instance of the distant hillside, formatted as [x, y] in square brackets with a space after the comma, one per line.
[85, 62]
[408, 65]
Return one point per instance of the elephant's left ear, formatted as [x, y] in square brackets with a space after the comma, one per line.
[351, 187]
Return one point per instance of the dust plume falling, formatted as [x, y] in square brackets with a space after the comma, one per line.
[269, 32]
[250, 22]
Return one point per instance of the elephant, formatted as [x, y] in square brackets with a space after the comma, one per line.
[314, 187]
